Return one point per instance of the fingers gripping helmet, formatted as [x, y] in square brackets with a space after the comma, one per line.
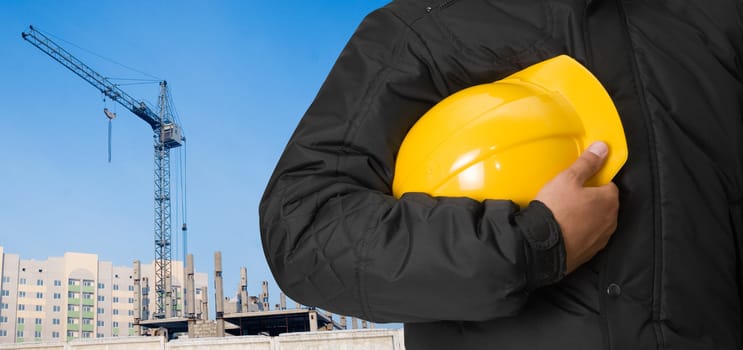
[506, 139]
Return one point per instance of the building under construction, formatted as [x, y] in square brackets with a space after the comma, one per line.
[242, 315]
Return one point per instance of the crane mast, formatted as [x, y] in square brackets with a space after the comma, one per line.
[166, 135]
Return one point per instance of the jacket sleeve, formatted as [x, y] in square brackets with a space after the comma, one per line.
[336, 238]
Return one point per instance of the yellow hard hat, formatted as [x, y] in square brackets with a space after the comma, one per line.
[506, 139]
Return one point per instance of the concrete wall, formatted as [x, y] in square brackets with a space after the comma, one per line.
[120, 343]
[360, 339]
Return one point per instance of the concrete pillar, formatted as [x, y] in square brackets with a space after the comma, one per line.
[189, 294]
[191, 328]
[243, 291]
[282, 304]
[264, 296]
[219, 293]
[204, 304]
[145, 298]
[313, 321]
[363, 324]
[343, 322]
[168, 297]
[354, 325]
[137, 297]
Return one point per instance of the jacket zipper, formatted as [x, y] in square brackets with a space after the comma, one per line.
[657, 222]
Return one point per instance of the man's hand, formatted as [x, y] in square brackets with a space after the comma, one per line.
[587, 215]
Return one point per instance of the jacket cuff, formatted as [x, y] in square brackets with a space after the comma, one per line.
[545, 252]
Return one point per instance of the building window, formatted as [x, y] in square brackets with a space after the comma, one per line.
[87, 283]
[73, 295]
[3, 333]
[116, 311]
[57, 283]
[87, 295]
[21, 307]
[73, 307]
[55, 334]
[130, 325]
[116, 287]
[100, 310]
[4, 306]
[21, 320]
[57, 295]
[55, 321]
[87, 321]
[56, 308]
[22, 281]
[19, 334]
[101, 298]
[99, 335]
[131, 300]
[87, 308]
[6, 293]
[3, 319]
[115, 324]
[131, 312]
[71, 334]
[39, 295]
[99, 323]
[37, 334]
[115, 299]
[72, 320]
[21, 294]
[73, 282]
[87, 334]
[39, 308]
[131, 288]
[39, 282]
[37, 321]
[6, 279]
[101, 286]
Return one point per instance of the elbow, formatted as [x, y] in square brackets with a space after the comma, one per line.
[308, 275]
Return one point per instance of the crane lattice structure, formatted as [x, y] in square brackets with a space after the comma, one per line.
[167, 135]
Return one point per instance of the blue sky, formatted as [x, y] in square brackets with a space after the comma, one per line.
[242, 73]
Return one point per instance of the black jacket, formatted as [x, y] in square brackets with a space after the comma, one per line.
[490, 275]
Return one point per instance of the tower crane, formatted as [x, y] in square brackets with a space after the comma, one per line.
[167, 135]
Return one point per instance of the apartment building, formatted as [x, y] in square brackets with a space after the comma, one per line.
[78, 296]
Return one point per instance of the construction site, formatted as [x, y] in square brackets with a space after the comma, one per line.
[77, 296]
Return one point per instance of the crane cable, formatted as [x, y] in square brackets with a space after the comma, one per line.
[110, 115]
[96, 54]
[183, 208]
[181, 183]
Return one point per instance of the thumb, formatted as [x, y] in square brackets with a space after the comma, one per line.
[589, 163]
